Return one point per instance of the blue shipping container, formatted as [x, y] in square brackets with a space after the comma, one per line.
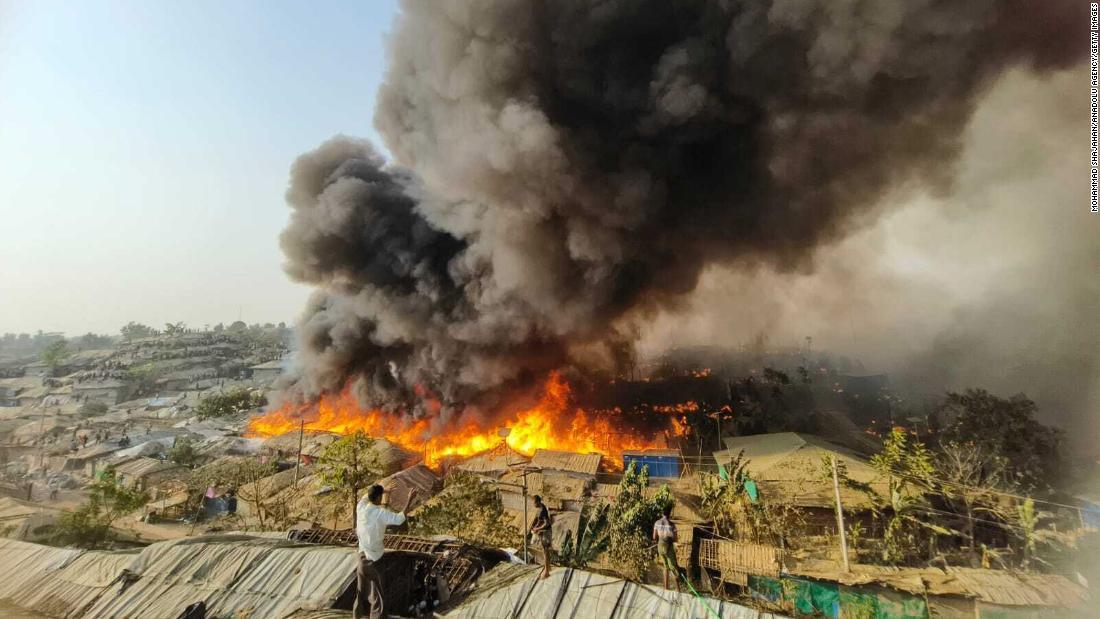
[660, 464]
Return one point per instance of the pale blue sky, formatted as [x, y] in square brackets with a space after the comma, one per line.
[145, 145]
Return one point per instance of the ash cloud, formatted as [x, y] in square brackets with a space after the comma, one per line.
[564, 168]
[992, 286]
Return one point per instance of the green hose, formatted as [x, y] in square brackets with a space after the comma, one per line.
[676, 570]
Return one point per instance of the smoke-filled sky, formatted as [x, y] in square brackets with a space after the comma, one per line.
[993, 285]
[543, 182]
[565, 172]
[144, 149]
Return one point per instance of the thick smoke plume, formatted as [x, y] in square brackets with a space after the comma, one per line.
[993, 286]
[564, 167]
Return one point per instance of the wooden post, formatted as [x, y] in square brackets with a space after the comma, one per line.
[526, 526]
[298, 460]
[840, 517]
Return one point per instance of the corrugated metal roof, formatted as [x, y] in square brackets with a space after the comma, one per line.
[510, 590]
[567, 461]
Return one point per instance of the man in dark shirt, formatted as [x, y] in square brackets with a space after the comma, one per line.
[540, 530]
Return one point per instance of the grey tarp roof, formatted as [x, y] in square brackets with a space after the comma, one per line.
[76, 586]
[510, 590]
[256, 576]
[236, 575]
[55, 581]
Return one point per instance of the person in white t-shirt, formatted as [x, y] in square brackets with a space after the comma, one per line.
[371, 520]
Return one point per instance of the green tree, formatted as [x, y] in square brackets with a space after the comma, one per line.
[722, 499]
[54, 354]
[93, 409]
[270, 503]
[183, 452]
[174, 328]
[144, 377]
[348, 465]
[89, 525]
[630, 522]
[229, 402]
[135, 330]
[593, 538]
[1007, 429]
[1037, 530]
[907, 466]
[972, 483]
[467, 508]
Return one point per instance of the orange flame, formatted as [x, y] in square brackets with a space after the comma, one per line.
[553, 423]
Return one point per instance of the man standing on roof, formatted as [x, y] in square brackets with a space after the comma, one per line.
[540, 530]
[371, 520]
[664, 533]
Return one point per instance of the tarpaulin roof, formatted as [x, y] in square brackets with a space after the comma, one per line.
[587, 464]
[77, 585]
[236, 575]
[142, 466]
[55, 581]
[496, 460]
[548, 484]
[13, 508]
[419, 478]
[259, 577]
[788, 468]
[993, 586]
[511, 590]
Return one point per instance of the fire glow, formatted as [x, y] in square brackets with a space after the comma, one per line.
[553, 423]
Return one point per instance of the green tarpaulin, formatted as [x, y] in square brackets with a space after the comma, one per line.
[750, 489]
[820, 598]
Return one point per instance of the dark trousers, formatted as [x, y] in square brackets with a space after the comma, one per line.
[368, 594]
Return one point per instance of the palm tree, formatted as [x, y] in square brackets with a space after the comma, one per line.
[592, 538]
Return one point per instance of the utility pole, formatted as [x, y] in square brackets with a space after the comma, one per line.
[840, 516]
[298, 460]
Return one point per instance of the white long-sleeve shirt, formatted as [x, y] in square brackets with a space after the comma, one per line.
[370, 526]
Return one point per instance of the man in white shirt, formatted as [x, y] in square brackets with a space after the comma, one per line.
[371, 520]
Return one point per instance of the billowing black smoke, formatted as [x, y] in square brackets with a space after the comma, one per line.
[566, 165]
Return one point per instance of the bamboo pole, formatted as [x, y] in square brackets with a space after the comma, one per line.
[840, 516]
